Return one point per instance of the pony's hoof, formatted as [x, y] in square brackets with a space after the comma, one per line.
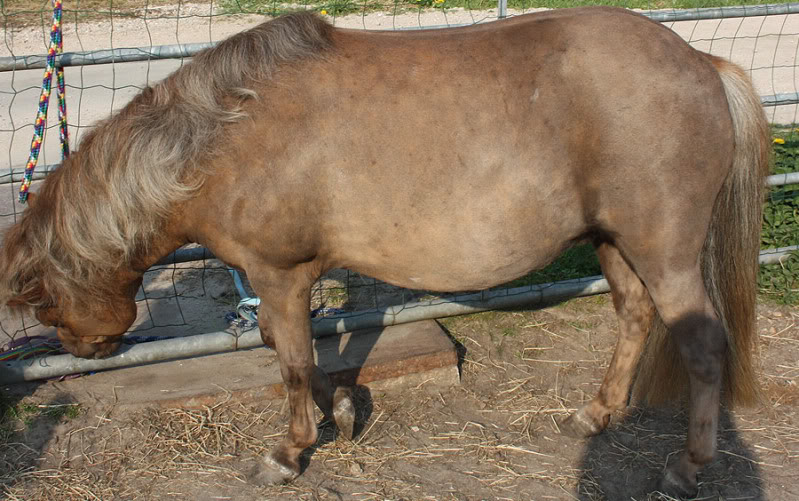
[579, 425]
[678, 486]
[344, 412]
[270, 472]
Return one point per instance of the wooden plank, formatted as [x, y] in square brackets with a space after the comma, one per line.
[392, 357]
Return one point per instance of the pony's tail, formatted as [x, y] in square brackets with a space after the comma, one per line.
[729, 259]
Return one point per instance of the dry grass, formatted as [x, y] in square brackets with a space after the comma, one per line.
[494, 437]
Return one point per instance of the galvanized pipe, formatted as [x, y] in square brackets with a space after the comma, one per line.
[186, 256]
[779, 99]
[106, 56]
[219, 342]
[9, 176]
[783, 179]
[774, 256]
[17, 371]
[670, 16]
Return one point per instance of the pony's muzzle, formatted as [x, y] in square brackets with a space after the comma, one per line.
[89, 347]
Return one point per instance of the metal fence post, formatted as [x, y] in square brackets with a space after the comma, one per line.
[502, 8]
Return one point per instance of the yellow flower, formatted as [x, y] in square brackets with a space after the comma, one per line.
[323, 12]
[779, 140]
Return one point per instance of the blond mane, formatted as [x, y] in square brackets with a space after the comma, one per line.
[108, 201]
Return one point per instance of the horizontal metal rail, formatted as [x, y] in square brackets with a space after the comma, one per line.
[106, 56]
[774, 256]
[783, 99]
[783, 179]
[705, 13]
[221, 342]
[126, 55]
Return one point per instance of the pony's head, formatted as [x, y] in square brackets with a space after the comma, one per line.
[37, 279]
[90, 332]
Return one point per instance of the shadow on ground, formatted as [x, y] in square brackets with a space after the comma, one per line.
[628, 458]
[25, 430]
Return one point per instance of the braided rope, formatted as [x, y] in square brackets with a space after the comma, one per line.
[56, 47]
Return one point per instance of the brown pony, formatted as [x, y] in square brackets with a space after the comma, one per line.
[444, 160]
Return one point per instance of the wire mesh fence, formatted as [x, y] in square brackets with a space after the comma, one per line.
[115, 49]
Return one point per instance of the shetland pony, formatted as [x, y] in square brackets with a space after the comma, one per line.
[445, 160]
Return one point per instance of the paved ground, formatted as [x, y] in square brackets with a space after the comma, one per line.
[765, 45]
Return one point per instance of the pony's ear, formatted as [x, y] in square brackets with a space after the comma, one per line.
[24, 300]
[28, 298]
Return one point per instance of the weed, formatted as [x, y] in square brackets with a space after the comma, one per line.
[509, 332]
[16, 415]
[582, 325]
[780, 281]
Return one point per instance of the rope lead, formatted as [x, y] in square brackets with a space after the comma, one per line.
[56, 47]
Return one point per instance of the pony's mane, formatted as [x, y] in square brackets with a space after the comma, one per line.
[105, 204]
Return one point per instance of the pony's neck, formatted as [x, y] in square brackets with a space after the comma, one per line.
[159, 248]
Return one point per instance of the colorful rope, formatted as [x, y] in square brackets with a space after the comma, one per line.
[33, 346]
[56, 47]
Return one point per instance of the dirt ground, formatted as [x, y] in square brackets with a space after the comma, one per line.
[494, 436]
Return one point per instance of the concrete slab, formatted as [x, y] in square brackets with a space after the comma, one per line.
[394, 357]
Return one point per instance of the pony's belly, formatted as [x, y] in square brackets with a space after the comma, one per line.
[455, 272]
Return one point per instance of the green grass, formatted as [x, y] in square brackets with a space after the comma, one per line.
[577, 262]
[343, 7]
[15, 415]
[781, 223]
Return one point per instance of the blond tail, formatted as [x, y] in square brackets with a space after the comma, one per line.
[729, 258]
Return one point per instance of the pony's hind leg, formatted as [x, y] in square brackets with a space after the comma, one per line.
[335, 403]
[687, 311]
[635, 312]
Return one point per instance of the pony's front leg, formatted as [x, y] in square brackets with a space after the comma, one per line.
[335, 402]
[289, 329]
